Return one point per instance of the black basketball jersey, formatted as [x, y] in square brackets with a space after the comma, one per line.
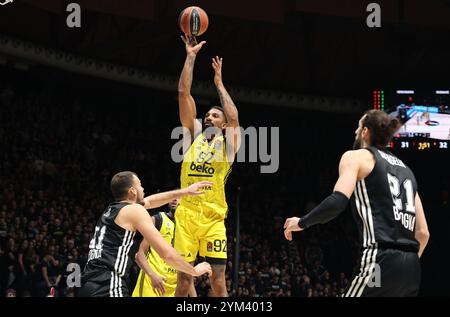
[111, 250]
[384, 203]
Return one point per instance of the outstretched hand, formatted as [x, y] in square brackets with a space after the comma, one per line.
[291, 224]
[217, 66]
[203, 268]
[197, 188]
[192, 47]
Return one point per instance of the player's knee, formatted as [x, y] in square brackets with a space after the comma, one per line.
[218, 271]
[218, 278]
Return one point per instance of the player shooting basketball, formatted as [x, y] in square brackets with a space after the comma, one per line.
[200, 222]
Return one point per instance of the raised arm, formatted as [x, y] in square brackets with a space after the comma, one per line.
[231, 112]
[186, 104]
[160, 199]
[421, 232]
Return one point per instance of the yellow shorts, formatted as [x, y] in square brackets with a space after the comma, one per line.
[200, 232]
[144, 287]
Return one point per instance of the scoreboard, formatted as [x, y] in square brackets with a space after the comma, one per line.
[424, 118]
[419, 145]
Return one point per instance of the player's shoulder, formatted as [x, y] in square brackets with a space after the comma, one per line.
[356, 157]
[134, 207]
[356, 154]
[130, 215]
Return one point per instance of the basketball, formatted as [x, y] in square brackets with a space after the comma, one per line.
[193, 21]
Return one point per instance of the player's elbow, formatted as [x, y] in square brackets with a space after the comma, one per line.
[168, 255]
[233, 123]
[183, 92]
[422, 235]
[138, 258]
[232, 118]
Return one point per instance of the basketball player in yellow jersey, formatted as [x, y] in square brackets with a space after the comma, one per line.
[201, 222]
[157, 278]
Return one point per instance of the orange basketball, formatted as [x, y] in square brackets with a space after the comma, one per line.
[193, 21]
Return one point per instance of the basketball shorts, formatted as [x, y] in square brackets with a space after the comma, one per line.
[200, 232]
[386, 272]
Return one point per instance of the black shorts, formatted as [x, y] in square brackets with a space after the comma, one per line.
[386, 272]
[104, 284]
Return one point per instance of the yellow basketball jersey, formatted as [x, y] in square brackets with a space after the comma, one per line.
[158, 265]
[206, 162]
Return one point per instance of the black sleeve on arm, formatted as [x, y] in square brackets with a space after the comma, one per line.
[327, 210]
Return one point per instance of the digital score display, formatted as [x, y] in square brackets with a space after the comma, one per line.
[418, 145]
[424, 117]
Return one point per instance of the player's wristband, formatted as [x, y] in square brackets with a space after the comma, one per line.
[327, 210]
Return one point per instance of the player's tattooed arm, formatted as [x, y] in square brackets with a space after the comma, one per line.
[228, 105]
[230, 109]
[186, 103]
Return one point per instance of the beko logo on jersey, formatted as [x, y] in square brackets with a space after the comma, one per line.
[204, 168]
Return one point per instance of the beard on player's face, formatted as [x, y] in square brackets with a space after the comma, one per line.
[207, 124]
[214, 118]
[211, 131]
[357, 144]
[217, 124]
[140, 198]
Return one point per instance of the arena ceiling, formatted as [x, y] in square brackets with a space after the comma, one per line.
[305, 46]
